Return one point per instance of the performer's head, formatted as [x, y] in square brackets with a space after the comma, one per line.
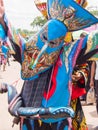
[63, 16]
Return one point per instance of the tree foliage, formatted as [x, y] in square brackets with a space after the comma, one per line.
[94, 12]
[26, 33]
[38, 21]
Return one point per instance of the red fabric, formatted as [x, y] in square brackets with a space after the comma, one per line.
[78, 88]
[77, 92]
[53, 85]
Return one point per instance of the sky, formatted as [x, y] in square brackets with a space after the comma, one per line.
[92, 2]
[22, 12]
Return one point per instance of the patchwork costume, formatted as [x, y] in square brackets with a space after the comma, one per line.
[47, 64]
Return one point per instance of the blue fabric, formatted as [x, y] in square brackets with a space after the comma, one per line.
[85, 42]
[61, 99]
[4, 50]
[24, 127]
[2, 33]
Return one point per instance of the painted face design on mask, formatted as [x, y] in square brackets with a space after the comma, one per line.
[42, 51]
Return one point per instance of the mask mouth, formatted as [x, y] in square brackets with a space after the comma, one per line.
[35, 60]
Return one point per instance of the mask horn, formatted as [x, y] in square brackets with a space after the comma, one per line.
[69, 12]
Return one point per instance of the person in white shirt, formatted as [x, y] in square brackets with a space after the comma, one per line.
[96, 85]
[94, 80]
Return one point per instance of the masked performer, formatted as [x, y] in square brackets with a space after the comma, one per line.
[47, 64]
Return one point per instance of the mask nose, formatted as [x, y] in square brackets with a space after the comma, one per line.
[34, 62]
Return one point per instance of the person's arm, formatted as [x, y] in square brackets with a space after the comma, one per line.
[12, 34]
[80, 75]
[93, 70]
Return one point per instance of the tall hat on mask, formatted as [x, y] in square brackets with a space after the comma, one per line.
[42, 7]
[71, 14]
[63, 16]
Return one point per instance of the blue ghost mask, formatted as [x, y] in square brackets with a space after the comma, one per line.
[42, 51]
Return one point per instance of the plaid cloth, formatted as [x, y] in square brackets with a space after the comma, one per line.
[32, 92]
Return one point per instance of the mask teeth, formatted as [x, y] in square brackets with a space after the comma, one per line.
[34, 63]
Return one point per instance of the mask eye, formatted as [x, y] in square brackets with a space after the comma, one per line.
[52, 43]
[44, 37]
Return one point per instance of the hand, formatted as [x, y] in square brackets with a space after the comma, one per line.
[3, 88]
[76, 76]
[2, 10]
[91, 83]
